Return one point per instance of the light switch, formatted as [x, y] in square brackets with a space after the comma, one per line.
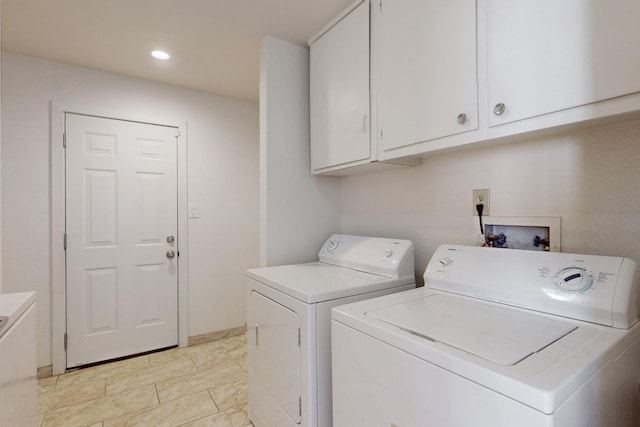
[194, 210]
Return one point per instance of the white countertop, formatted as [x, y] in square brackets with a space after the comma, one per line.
[13, 305]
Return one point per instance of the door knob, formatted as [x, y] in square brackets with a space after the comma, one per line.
[171, 254]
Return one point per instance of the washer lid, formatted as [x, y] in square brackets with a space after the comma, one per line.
[501, 335]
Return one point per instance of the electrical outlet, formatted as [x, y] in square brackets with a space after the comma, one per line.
[481, 196]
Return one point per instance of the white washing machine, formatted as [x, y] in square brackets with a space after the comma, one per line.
[289, 323]
[498, 338]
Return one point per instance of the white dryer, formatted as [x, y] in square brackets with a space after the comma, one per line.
[289, 323]
[497, 338]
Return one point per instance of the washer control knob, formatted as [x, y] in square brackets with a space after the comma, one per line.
[574, 279]
[388, 252]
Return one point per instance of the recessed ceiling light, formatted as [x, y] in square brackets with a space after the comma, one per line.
[159, 54]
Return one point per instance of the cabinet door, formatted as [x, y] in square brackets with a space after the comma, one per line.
[339, 86]
[427, 69]
[547, 55]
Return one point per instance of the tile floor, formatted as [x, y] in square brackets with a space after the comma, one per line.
[197, 386]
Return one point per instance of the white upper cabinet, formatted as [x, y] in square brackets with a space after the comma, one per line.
[339, 92]
[448, 73]
[545, 56]
[425, 70]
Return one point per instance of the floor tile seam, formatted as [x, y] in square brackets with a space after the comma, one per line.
[200, 369]
[77, 385]
[155, 382]
[207, 416]
[52, 408]
[236, 389]
[193, 421]
[109, 398]
[151, 367]
[217, 350]
[230, 409]
[44, 415]
[108, 366]
[132, 413]
[214, 400]
[53, 411]
[224, 382]
[242, 365]
[155, 386]
[235, 379]
[101, 375]
[150, 408]
[190, 392]
[166, 362]
[48, 403]
[196, 372]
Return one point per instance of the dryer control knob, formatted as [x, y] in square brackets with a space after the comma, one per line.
[388, 252]
[445, 261]
[332, 245]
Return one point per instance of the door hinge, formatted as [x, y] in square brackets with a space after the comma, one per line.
[300, 405]
[64, 140]
[65, 241]
[65, 341]
[299, 339]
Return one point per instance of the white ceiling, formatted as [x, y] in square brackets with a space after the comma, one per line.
[214, 44]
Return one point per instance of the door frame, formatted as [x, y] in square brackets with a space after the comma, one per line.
[57, 197]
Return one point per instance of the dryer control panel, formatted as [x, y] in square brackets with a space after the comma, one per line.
[592, 288]
[385, 257]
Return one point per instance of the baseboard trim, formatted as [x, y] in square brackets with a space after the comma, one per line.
[215, 336]
[45, 372]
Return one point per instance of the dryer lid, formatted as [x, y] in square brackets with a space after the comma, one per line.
[501, 335]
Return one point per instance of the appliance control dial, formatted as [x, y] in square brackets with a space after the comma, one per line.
[574, 279]
[332, 245]
[388, 252]
[445, 261]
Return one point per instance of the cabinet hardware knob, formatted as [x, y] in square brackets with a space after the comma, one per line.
[498, 110]
[462, 118]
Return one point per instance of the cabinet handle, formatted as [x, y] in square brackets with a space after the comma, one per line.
[364, 123]
[499, 109]
[462, 118]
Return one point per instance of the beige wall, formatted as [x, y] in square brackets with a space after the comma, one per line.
[223, 158]
[298, 211]
[590, 178]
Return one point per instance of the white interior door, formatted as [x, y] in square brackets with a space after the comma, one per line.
[121, 208]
